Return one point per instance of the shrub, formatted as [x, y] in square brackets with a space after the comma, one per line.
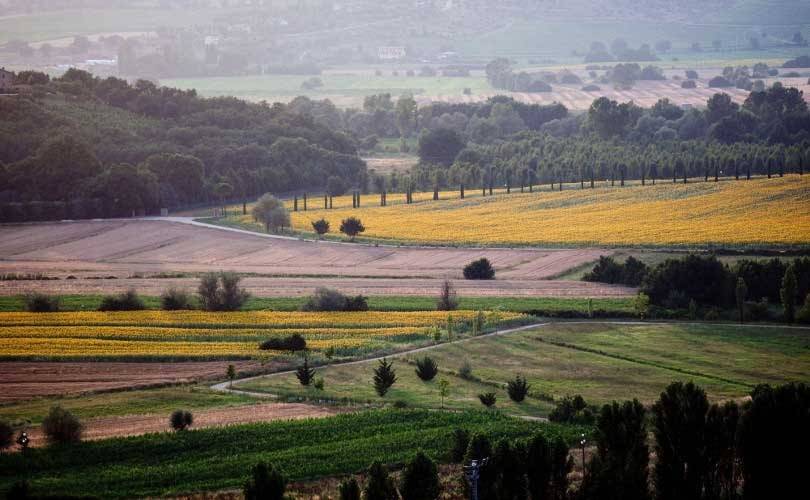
[305, 373]
[328, 300]
[39, 302]
[426, 368]
[379, 485]
[688, 84]
[266, 483]
[174, 299]
[607, 270]
[127, 301]
[351, 227]
[6, 435]
[62, 427]
[420, 479]
[465, 370]
[488, 399]
[461, 439]
[181, 420]
[573, 410]
[384, 377]
[447, 298]
[318, 384]
[320, 226]
[293, 343]
[517, 388]
[221, 292]
[349, 490]
[480, 269]
[719, 81]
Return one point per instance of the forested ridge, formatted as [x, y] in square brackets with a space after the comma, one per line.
[79, 146]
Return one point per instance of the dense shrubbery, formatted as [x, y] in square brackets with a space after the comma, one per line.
[326, 299]
[607, 270]
[127, 301]
[221, 292]
[266, 483]
[480, 269]
[175, 299]
[39, 302]
[426, 368]
[573, 410]
[62, 427]
[294, 342]
[181, 420]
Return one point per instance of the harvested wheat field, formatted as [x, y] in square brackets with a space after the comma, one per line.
[110, 256]
[26, 380]
[133, 425]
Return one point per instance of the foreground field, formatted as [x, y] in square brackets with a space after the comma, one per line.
[195, 335]
[215, 459]
[600, 361]
[760, 212]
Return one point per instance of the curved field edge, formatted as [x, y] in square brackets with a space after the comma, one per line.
[214, 459]
[742, 215]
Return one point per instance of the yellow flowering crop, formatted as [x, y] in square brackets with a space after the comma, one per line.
[756, 212]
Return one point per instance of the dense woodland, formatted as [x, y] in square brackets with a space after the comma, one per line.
[80, 146]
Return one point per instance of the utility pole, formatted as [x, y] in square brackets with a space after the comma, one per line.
[473, 473]
[582, 444]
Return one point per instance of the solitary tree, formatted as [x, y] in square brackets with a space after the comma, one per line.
[788, 293]
[266, 483]
[420, 479]
[740, 293]
[517, 388]
[351, 227]
[320, 226]
[480, 269]
[181, 420]
[305, 373]
[426, 368]
[271, 212]
[384, 377]
[379, 486]
[223, 191]
[61, 426]
[444, 390]
[231, 373]
[447, 298]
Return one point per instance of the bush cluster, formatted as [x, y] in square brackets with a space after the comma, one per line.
[294, 342]
[328, 300]
[127, 301]
[39, 302]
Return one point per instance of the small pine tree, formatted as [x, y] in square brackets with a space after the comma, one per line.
[426, 368]
[384, 377]
[304, 373]
[320, 226]
[379, 485]
[349, 490]
[487, 399]
[266, 483]
[420, 479]
[517, 388]
[351, 227]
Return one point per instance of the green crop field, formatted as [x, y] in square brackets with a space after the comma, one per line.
[216, 459]
[600, 361]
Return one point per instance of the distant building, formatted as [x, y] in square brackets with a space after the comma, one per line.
[6, 79]
[389, 53]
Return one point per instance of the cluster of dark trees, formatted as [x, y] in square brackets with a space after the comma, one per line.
[494, 144]
[82, 147]
[749, 285]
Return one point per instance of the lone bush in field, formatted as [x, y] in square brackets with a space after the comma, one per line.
[351, 227]
[221, 292]
[320, 226]
[266, 483]
[517, 388]
[6, 435]
[181, 420]
[271, 212]
[305, 373]
[488, 399]
[127, 301]
[174, 299]
[293, 343]
[62, 427]
[379, 485]
[480, 269]
[384, 377]
[420, 479]
[447, 298]
[426, 368]
[39, 302]
[349, 489]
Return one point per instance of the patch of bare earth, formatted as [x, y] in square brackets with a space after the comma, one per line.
[133, 425]
[91, 251]
[27, 380]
